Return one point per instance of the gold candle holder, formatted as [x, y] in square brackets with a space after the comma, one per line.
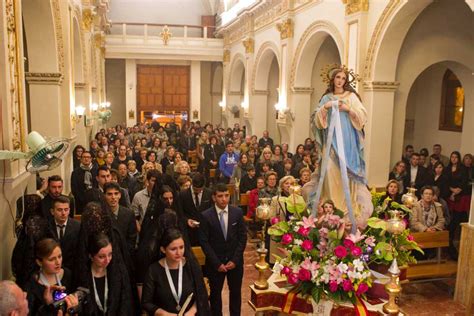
[393, 289]
[261, 266]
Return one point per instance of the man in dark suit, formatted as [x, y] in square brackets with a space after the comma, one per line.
[223, 237]
[123, 218]
[417, 176]
[65, 230]
[194, 201]
[83, 179]
[96, 194]
[55, 190]
[265, 140]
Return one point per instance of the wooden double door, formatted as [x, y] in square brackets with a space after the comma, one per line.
[163, 88]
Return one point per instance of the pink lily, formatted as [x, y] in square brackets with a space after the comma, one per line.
[309, 222]
[356, 238]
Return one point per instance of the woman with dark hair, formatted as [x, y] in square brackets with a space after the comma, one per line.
[174, 282]
[240, 169]
[94, 222]
[459, 199]
[439, 180]
[76, 156]
[110, 290]
[298, 156]
[284, 151]
[308, 144]
[50, 276]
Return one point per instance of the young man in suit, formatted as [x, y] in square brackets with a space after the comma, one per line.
[55, 190]
[416, 176]
[123, 218]
[194, 201]
[65, 230]
[223, 237]
[96, 194]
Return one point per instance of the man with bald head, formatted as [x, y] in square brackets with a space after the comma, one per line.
[265, 140]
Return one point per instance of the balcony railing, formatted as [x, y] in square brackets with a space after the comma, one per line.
[147, 30]
[148, 41]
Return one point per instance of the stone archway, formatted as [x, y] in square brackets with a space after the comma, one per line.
[265, 91]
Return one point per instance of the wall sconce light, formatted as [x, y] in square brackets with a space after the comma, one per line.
[244, 105]
[222, 104]
[94, 107]
[80, 110]
[284, 110]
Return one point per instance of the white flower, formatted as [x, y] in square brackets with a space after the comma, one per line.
[358, 265]
[298, 242]
[342, 267]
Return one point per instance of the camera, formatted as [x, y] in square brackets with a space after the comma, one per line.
[59, 303]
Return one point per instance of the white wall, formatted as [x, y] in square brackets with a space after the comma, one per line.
[206, 97]
[158, 11]
[424, 108]
[115, 90]
[272, 99]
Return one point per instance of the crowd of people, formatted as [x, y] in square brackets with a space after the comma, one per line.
[443, 185]
[147, 194]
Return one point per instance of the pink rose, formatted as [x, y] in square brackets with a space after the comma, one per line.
[356, 251]
[304, 275]
[332, 286]
[286, 239]
[346, 285]
[274, 220]
[285, 270]
[410, 238]
[362, 288]
[292, 278]
[307, 245]
[340, 252]
[348, 243]
[304, 231]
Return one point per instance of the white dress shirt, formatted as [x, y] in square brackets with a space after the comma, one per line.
[58, 229]
[413, 172]
[226, 216]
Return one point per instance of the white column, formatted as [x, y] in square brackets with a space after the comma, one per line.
[131, 91]
[258, 112]
[356, 43]
[379, 102]
[301, 110]
[195, 90]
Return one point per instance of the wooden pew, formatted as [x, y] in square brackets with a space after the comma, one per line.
[432, 269]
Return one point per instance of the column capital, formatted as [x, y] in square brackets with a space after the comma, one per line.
[286, 28]
[260, 92]
[249, 45]
[302, 90]
[42, 78]
[354, 6]
[389, 86]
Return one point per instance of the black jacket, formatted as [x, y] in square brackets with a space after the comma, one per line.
[191, 212]
[217, 249]
[126, 224]
[78, 188]
[69, 242]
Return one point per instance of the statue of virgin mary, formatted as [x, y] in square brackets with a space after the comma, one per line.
[338, 124]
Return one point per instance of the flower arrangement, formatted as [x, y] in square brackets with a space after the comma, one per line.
[321, 260]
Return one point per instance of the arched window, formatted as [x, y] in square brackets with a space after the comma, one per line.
[452, 103]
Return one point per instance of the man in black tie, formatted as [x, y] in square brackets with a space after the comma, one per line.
[417, 176]
[65, 230]
[122, 217]
[194, 201]
[223, 237]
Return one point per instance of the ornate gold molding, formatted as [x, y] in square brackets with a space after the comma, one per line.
[302, 90]
[58, 29]
[226, 57]
[166, 34]
[47, 78]
[14, 59]
[249, 45]
[381, 85]
[80, 85]
[87, 18]
[384, 18]
[354, 6]
[286, 29]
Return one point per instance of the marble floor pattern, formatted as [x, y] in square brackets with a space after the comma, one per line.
[420, 299]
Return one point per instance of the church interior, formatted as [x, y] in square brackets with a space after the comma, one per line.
[192, 87]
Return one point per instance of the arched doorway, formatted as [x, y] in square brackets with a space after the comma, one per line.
[321, 44]
[236, 93]
[266, 87]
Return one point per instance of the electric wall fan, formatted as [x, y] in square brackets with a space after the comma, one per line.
[44, 154]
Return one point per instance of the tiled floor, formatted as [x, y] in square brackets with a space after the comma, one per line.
[421, 299]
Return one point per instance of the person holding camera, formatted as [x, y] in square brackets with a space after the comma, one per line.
[49, 284]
